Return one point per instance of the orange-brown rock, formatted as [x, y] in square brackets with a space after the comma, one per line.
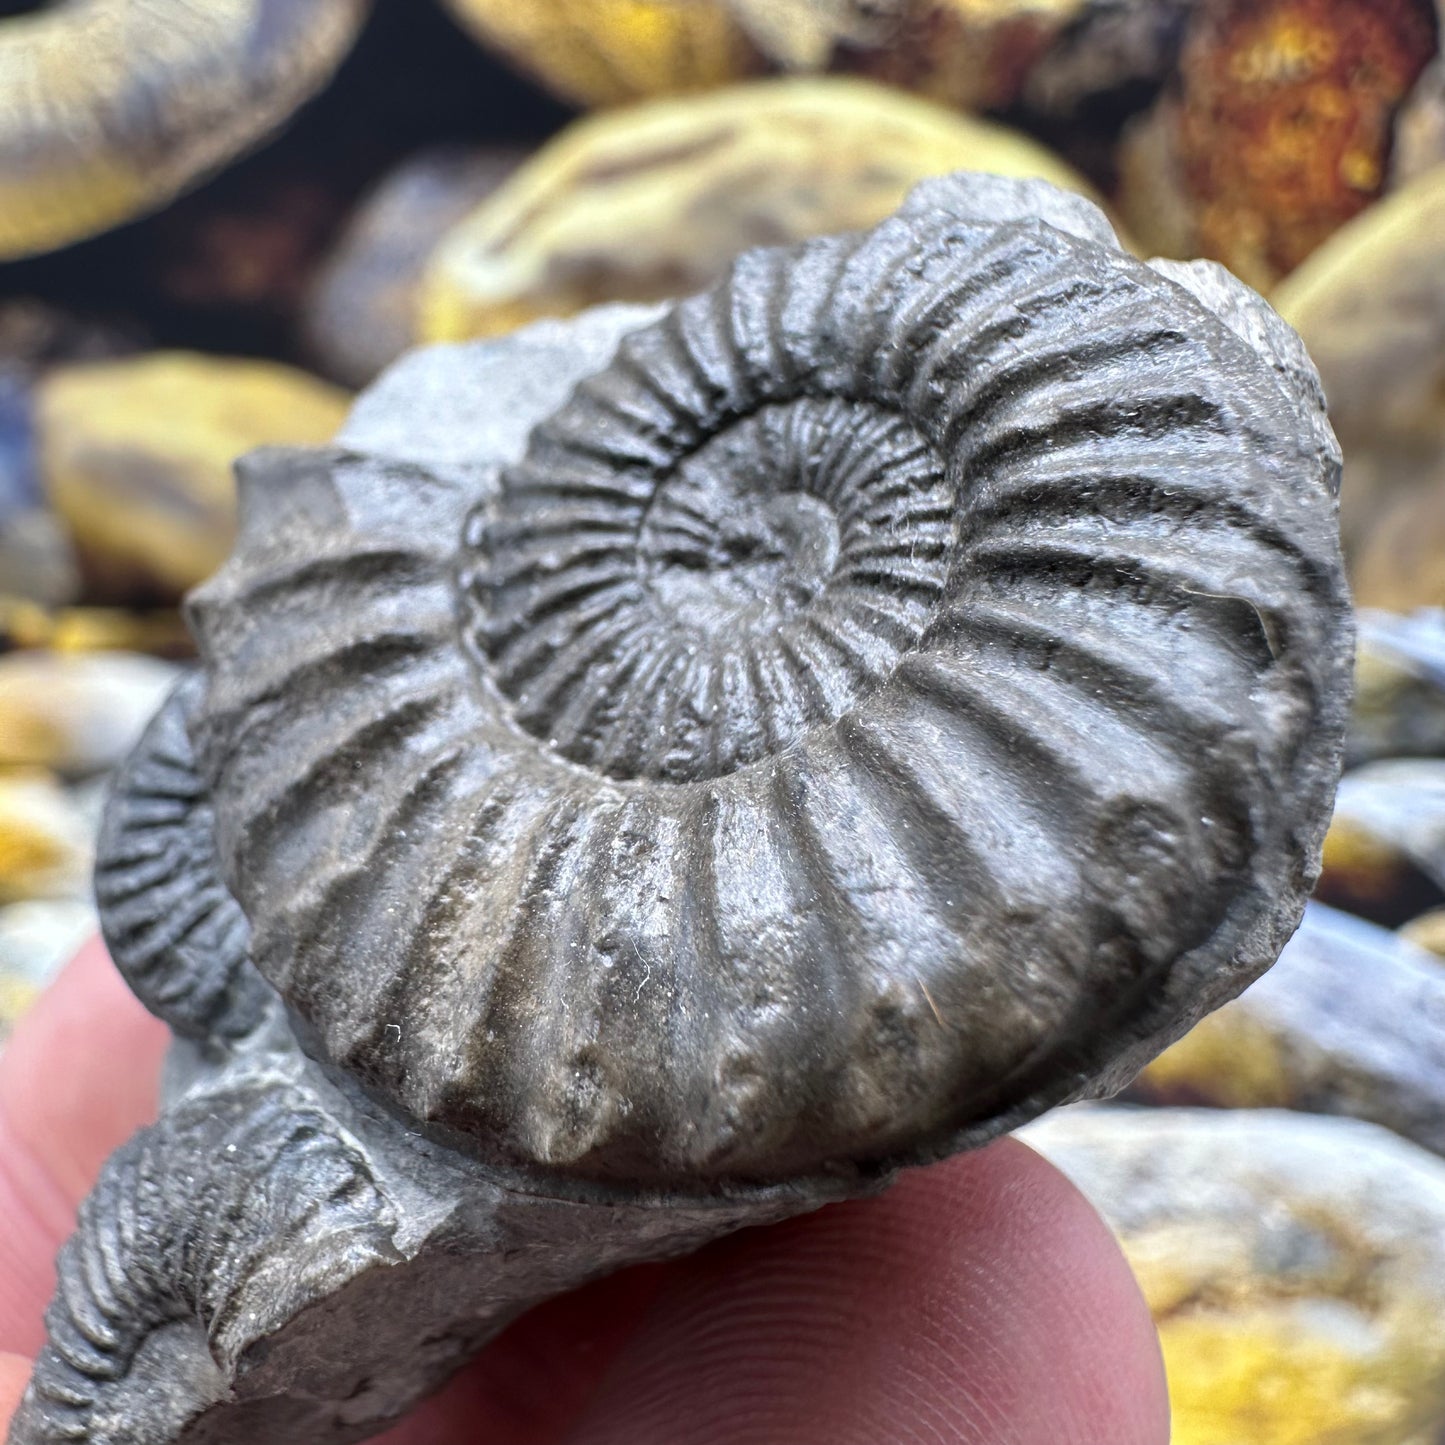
[1276, 131]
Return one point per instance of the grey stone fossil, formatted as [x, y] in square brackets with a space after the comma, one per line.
[664, 770]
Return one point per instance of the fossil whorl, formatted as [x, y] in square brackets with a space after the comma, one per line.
[200, 1229]
[108, 108]
[902, 690]
[172, 929]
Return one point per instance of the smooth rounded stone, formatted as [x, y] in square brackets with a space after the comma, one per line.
[967, 55]
[600, 52]
[76, 713]
[1384, 855]
[136, 457]
[1427, 931]
[37, 559]
[1295, 1267]
[1350, 1021]
[1370, 306]
[1399, 706]
[362, 310]
[45, 840]
[656, 200]
[1400, 565]
[1275, 131]
[172, 91]
[37, 939]
[1420, 127]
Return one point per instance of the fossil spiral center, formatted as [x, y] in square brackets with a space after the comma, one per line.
[721, 560]
[762, 585]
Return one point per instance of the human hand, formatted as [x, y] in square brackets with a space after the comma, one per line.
[978, 1302]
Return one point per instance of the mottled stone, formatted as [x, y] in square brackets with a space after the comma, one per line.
[1275, 131]
[136, 458]
[362, 311]
[1399, 686]
[1295, 1268]
[1351, 1020]
[45, 842]
[79, 713]
[657, 200]
[1370, 306]
[1384, 855]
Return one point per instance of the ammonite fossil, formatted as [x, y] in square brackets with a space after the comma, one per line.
[108, 108]
[664, 770]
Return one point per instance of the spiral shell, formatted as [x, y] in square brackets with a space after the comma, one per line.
[171, 927]
[903, 690]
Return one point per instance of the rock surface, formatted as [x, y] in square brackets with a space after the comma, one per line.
[1294, 1267]
[656, 200]
[76, 713]
[1351, 1020]
[136, 455]
[45, 840]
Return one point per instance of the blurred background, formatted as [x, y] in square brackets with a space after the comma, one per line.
[218, 222]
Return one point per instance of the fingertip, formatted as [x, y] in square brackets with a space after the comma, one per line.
[14, 1374]
[981, 1300]
[77, 1077]
[79, 1074]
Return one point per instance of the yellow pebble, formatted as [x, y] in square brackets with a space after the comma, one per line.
[599, 52]
[654, 201]
[136, 457]
[1294, 1267]
[45, 847]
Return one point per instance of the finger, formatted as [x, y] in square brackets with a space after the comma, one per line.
[77, 1077]
[14, 1372]
[533, 1383]
[981, 1300]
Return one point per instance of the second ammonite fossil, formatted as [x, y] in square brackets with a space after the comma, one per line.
[664, 770]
